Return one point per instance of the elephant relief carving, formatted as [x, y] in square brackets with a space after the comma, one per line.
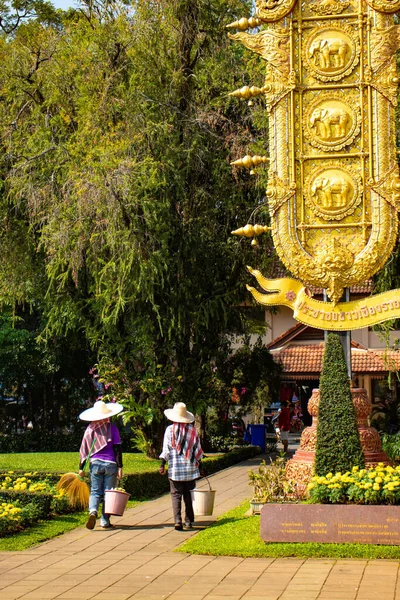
[331, 193]
[329, 53]
[330, 123]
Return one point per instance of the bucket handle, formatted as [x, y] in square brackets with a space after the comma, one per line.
[209, 484]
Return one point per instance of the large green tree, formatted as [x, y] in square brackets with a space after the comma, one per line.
[117, 196]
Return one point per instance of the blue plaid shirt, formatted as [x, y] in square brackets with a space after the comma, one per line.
[179, 468]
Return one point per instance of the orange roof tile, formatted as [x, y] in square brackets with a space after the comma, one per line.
[287, 335]
[307, 360]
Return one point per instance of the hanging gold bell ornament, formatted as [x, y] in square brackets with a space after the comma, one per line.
[243, 24]
[249, 162]
[251, 231]
[247, 92]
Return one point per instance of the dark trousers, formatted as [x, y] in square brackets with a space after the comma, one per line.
[179, 489]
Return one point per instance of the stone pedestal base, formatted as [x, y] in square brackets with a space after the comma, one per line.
[300, 467]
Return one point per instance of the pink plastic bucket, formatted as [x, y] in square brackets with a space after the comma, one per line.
[115, 502]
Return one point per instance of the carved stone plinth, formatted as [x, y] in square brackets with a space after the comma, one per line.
[300, 467]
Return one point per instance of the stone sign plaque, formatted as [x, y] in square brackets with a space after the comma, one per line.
[330, 523]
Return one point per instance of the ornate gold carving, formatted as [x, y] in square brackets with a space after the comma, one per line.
[331, 52]
[389, 187]
[331, 122]
[385, 6]
[273, 10]
[329, 7]
[384, 45]
[333, 192]
[276, 89]
[334, 259]
[331, 227]
[382, 72]
[271, 44]
[277, 193]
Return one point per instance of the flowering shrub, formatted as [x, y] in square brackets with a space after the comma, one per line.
[21, 484]
[27, 500]
[10, 516]
[380, 485]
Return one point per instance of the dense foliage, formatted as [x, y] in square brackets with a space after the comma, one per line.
[338, 441]
[391, 445]
[117, 198]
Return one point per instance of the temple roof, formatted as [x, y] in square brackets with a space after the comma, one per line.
[305, 361]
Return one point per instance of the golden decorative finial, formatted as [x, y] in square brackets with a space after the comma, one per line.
[251, 230]
[244, 24]
[249, 162]
[247, 92]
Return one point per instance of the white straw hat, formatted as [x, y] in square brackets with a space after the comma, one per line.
[101, 410]
[179, 414]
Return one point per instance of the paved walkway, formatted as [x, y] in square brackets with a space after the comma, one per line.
[136, 561]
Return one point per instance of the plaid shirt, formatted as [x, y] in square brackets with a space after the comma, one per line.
[179, 468]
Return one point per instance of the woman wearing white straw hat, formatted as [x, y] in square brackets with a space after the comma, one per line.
[101, 445]
[182, 451]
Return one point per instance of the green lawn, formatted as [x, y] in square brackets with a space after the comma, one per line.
[237, 535]
[58, 462]
[68, 461]
[46, 530]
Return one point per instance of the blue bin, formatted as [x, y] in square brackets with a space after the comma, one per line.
[257, 433]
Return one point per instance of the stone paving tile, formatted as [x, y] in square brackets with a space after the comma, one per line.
[76, 595]
[43, 594]
[307, 596]
[28, 587]
[111, 596]
[219, 597]
[333, 596]
[177, 596]
[267, 596]
[11, 596]
[385, 592]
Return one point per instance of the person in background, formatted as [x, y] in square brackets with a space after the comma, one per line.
[182, 450]
[284, 424]
[101, 445]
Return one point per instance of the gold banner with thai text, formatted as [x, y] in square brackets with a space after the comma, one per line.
[343, 316]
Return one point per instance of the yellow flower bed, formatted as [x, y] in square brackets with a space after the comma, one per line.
[9, 511]
[25, 499]
[380, 485]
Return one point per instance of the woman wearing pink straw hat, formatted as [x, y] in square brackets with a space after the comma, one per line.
[101, 445]
[182, 451]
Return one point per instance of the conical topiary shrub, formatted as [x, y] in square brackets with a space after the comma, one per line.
[338, 441]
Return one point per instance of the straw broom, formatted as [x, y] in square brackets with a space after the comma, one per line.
[75, 486]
